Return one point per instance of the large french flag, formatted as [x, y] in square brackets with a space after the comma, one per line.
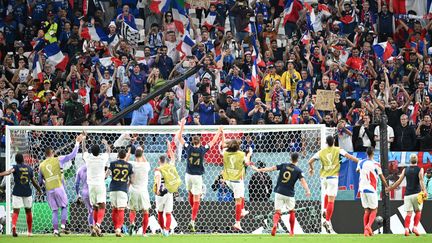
[160, 6]
[55, 56]
[37, 68]
[256, 54]
[179, 15]
[288, 10]
[421, 7]
[94, 33]
[108, 61]
[185, 46]
[209, 21]
[383, 50]
[310, 14]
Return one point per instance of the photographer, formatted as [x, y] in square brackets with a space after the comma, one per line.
[258, 112]
[206, 108]
[169, 106]
[234, 111]
[363, 134]
[242, 14]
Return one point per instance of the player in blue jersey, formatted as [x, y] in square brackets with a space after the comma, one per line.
[121, 172]
[414, 186]
[195, 168]
[22, 193]
[289, 174]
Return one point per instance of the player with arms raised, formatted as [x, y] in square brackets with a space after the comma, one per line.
[234, 162]
[121, 171]
[195, 168]
[22, 193]
[166, 182]
[415, 193]
[369, 171]
[289, 174]
[51, 174]
[97, 164]
[138, 191]
[329, 173]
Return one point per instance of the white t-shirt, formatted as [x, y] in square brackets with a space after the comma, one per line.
[390, 134]
[110, 89]
[96, 168]
[122, 74]
[369, 173]
[139, 179]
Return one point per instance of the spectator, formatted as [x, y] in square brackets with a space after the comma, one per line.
[168, 110]
[74, 111]
[143, 115]
[363, 134]
[405, 136]
[424, 132]
[260, 185]
[224, 194]
[428, 183]
[206, 108]
[235, 111]
[344, 136]
[390, 136]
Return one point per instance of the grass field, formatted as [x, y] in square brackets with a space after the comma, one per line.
[222, 239]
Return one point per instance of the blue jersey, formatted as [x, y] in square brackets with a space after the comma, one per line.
[23, 175]
[121, 172]
[412, 180]
[195, 159]
[288, 176]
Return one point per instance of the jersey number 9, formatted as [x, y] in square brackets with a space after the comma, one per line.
[286, 176]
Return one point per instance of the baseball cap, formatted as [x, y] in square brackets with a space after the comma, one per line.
[250, 53]
[46, 81]
[30, 88]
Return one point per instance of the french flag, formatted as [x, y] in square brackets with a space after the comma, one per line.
[421, 7]
[38, 44]
[55, 56]
[256, 54]
[348, 19]
[310, 14]
[251, 28]
[415, 113]
[295, 118]
[288, 10]
[209, 21]
[383, 50]
[37, 68]
[179, 15]
[108, 61]
[185, 46]
[94, 33]
[160, 6]
[253, 83]
[305, 40]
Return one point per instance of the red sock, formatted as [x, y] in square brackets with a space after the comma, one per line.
[190, 199]
[325, 202]
[120, 215]
[292, 221]
[95, 215]
[329, 211]
[372, 217]
[168, 221]
[242, 203]
[417, 218]
[276, 218]
[366, 218]
[29, 217]
[161, 219]
[145, 222]
[100, 217]
[14, 218]
[114, 217]
[238, 209]
[132, 215]
[195, 208]
[407, 221]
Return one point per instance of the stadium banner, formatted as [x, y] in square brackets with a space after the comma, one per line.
[349, 178]
[353, 224]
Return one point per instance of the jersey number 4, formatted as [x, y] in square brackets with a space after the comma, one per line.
[194, 161]
[120, 175]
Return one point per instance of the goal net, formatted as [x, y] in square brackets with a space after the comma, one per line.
[272, 144]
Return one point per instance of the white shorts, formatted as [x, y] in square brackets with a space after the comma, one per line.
[97, 194]
[411, 203]
[119, 199]
[330, 185]
[194, 184]
[283, 202]
[138, 200]
[369, 200]
[237, 187]
[20, 202]
[165, 203]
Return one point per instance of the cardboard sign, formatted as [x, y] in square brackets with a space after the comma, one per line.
[325, 100]
[198, 3]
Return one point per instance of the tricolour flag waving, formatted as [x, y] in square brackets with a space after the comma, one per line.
[288, 10]
[421, 7]
[209, 20]
[130, 34]
[37, 68]
[179, 15]
[185, 46]
[310, 14]
[383, 50]
[108, 61]
[94, 33]
[160, 6]
[55, 56]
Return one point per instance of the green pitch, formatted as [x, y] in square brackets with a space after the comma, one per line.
[220, 238]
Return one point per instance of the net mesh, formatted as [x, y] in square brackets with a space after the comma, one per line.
[271, 146]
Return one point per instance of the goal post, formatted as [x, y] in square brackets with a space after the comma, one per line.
[272, 145]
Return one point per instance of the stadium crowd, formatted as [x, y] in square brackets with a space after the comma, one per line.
[299, 49]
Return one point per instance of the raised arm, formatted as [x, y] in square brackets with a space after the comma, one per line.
[66, 158]
[170, 153]
[399, 181]
[267, 169]
[215, 138]
[180, 138]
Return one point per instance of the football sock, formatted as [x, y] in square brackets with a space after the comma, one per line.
[161, 219]
[90, 217]
[14, 218]
[114, 217]
[366, 218]
[276, 218]
[329, 211]
[29, 218]
[95, 215]
[168, 221]
[242, 203]
[292, 221]
[145, 222]
[64, 214]
[195, 208]
[372, 217]
[55, 219]
[238, 209]
[417, 218]
[120, 215]
[100, 217]
[325, 202]
[132, 215]
[190, 197]
[407, 221]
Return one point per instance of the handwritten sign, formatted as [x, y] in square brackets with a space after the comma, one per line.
[198, 3]
[325, 100]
